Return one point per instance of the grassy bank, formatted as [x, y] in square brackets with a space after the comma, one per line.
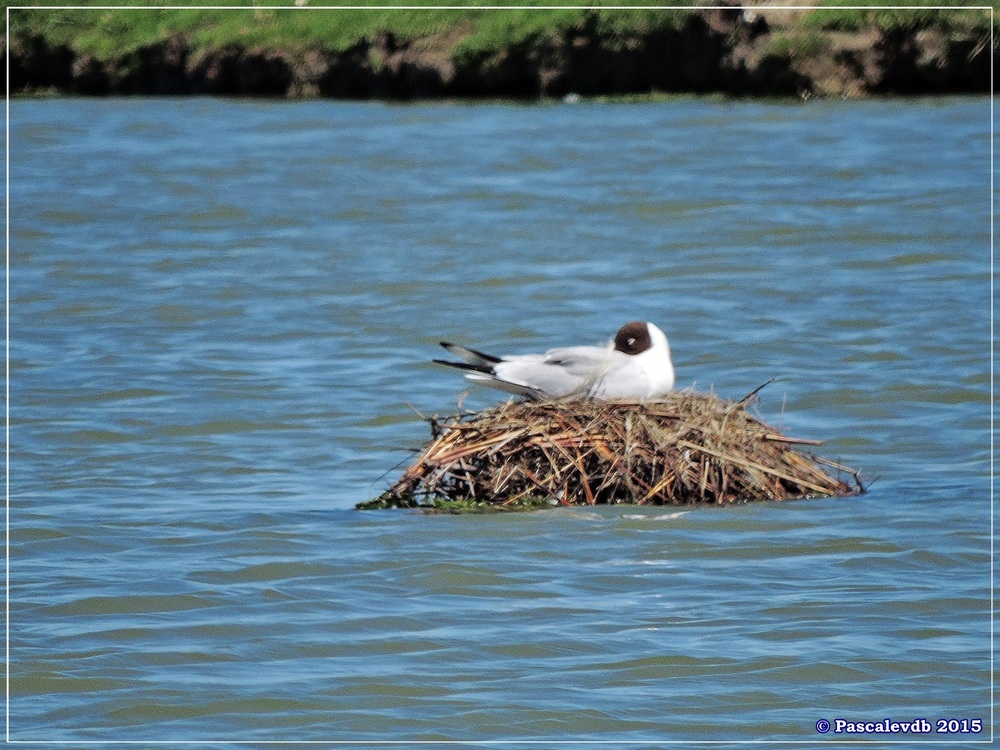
[106, 34]
[280, 24]
[863, 14]
[276, 47]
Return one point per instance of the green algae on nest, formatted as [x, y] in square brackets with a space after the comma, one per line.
[465, 506]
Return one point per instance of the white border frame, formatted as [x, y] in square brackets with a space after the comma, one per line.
[804, 741]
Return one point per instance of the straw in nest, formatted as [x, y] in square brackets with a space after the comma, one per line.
[685, 448]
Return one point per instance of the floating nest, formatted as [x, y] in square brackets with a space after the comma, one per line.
[686, 448]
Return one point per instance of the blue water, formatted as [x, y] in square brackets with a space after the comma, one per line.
[221, 320]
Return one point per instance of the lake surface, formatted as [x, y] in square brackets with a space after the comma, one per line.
[222, 312]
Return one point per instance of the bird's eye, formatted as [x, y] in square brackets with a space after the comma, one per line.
[631, 342]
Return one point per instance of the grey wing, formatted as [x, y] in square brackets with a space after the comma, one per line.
[581, 361]
[566, 374]
[590, 364]
[567, 371]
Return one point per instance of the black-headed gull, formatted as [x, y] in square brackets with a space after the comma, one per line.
[634, 365]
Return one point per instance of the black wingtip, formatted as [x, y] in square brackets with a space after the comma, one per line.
[466, 353]
[463, 366]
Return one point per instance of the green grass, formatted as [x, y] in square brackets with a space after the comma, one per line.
[477, 32]
[525, 26]
[108, 33]
[796, 45]
[830, 16]
[278, 24]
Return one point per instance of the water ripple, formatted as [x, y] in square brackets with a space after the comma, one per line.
[216, 347]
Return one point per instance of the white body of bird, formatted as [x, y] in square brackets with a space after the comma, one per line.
[635, 365]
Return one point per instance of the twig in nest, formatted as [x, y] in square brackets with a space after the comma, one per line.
[750, 396]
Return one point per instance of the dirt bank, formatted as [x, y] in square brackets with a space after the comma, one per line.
[724, 50]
